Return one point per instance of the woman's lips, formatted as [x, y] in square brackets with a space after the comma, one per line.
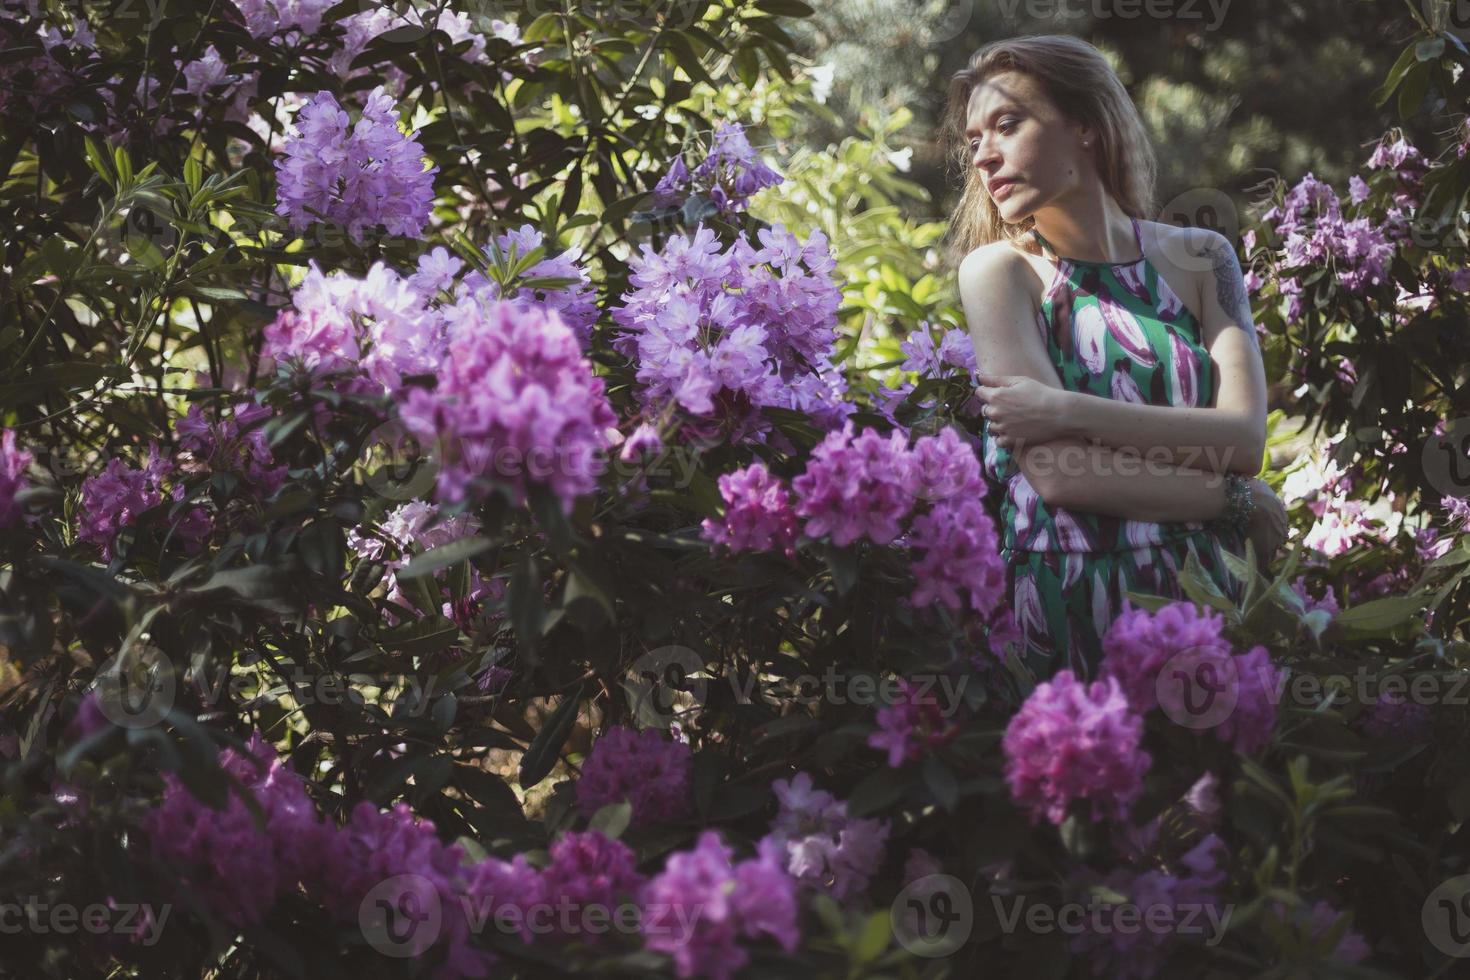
[1004, 189]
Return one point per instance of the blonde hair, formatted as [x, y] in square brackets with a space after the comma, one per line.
[1079, 81]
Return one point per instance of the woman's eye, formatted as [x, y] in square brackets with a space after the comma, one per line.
[1006, 125]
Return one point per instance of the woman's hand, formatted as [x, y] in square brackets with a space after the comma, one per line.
[1268, 523]
[1022, 410]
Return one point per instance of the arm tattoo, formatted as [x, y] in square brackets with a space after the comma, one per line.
[1230, 286]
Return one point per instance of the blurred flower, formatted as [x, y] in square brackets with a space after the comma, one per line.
[911, 726]
[1134, 950]
[13, 463]
[516, 405]
[825, 848]
[857, 487]
[1072, 741]
[758, 514]
[652, 773]
[725, 901]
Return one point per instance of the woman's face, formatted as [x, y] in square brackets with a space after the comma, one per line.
[1017, 135]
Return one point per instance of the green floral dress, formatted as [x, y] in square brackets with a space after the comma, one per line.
[1113, 330]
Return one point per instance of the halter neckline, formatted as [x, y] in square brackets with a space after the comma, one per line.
[1137, 239]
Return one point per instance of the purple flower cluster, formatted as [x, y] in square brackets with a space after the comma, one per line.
[1172, 905]
[238, 866]
[381, 325]
[235, 443]
[960, 564]
[113, 499]
[208, 79]
[412, 528]
[956, 351]
[13, 463]
[729, 176]
[266, 17]
[1073, 741]
[876, 487]
[726, 334]
[824, 847]
[515, 404]
[758, 513]
[358, 176]
[1139, 645]
[1394, 716]
[653, 774]
[857, 487]
[576, 302]
[1310, 223]
[591, 873]
[725, 900]
[1316, 923]
[911, 726]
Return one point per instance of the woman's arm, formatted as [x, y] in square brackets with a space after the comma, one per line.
[1226, 438]
[994, 287]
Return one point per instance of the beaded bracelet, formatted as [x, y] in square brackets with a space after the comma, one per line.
[1240, 503]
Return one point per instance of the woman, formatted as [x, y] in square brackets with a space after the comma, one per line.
[1125, 397]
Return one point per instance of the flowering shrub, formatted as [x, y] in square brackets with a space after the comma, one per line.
[463, 515]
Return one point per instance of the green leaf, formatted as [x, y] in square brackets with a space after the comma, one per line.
[1395, 76]
[1380, 615]
[784, 8]
[541, 755]
[442, 557]
[428, 635]
[874, 939]
[524, 603]
[612, 819]
[941, 782]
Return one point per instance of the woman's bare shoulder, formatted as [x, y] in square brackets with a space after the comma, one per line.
[1183, 256]
[994, 266]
